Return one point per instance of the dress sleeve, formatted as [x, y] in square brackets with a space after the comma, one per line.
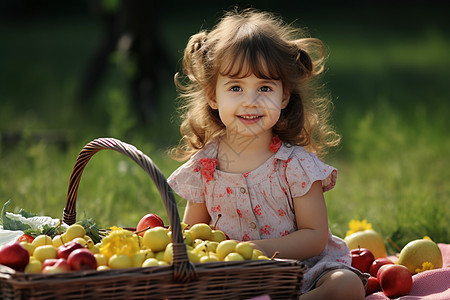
[304, 168]
[187, 182]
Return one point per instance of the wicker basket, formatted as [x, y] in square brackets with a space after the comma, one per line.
[281, 279]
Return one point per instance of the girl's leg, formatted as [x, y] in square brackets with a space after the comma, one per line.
[337, 284]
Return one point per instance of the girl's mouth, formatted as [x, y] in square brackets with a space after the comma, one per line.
[249, 119]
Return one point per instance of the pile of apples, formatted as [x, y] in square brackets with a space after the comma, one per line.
[149, 245]
[70, 251]
[393, 279]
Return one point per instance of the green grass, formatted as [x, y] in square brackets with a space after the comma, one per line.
[391, 90]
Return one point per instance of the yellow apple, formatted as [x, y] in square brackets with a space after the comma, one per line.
[193, 256]
[256, 254]
[58, 241]
[156, 239]
[245, 249]
[218, 236]
[168, 254]
[209, 258]
[74, 231]
[187, 238]
[147, 253]
[368, 239]
[34, 266]
[42, 240]
[101, 259]
[80, 240]
[120, 261]
[150, 262]
[417, 252]
[43, 252]
[30, 247]
[201, 231]
[233, 256]
[224, 248]
[103, 268]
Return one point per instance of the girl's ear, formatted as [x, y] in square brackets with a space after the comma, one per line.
[212, 103]
[285, 100]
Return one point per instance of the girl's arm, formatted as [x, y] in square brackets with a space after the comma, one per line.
[312, 222]
[196, 213]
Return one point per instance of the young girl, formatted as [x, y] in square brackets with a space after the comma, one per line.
[252, 127]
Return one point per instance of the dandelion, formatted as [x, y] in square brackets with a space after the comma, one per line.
[426, 266]
[355, 226]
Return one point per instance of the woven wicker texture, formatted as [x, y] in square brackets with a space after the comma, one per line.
[281, 279]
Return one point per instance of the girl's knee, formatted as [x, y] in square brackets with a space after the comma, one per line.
[342, 284]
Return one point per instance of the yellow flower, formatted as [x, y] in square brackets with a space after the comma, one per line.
[427, 238]
[425, 267]
[355, 226]
[119, 241]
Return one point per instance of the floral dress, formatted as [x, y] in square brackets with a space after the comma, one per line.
[258, 204]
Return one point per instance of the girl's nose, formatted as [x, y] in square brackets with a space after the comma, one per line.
[250, 99]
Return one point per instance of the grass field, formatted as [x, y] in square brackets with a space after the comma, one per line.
[390, 83]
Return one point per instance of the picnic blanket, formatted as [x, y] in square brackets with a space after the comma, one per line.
[434, 284]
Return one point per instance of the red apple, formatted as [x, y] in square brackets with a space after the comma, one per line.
[395, 280]
[377, 263]
[15, 256]
[362, 259]
[63, 251]
[82, 259]
[25, 238]
[373, 286]
[55, 265]
[149, 220]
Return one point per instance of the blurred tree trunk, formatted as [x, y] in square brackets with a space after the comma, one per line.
[130, 32]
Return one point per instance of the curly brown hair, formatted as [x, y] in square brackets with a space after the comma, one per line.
[253, 42]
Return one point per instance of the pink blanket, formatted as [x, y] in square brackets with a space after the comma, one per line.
[434, 284]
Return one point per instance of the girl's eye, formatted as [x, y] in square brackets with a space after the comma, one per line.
[265, 89]
[236, 89]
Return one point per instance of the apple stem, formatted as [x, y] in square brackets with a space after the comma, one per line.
[275, 254]
[145, 229]
[215, 224]
[394, 244]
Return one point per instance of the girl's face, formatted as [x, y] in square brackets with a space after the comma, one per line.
[249, 106]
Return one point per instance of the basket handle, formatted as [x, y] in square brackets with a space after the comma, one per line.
[184, 270]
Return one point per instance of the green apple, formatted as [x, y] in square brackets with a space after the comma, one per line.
[224, 248]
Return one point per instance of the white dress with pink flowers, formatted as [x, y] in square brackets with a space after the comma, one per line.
[258, 204]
